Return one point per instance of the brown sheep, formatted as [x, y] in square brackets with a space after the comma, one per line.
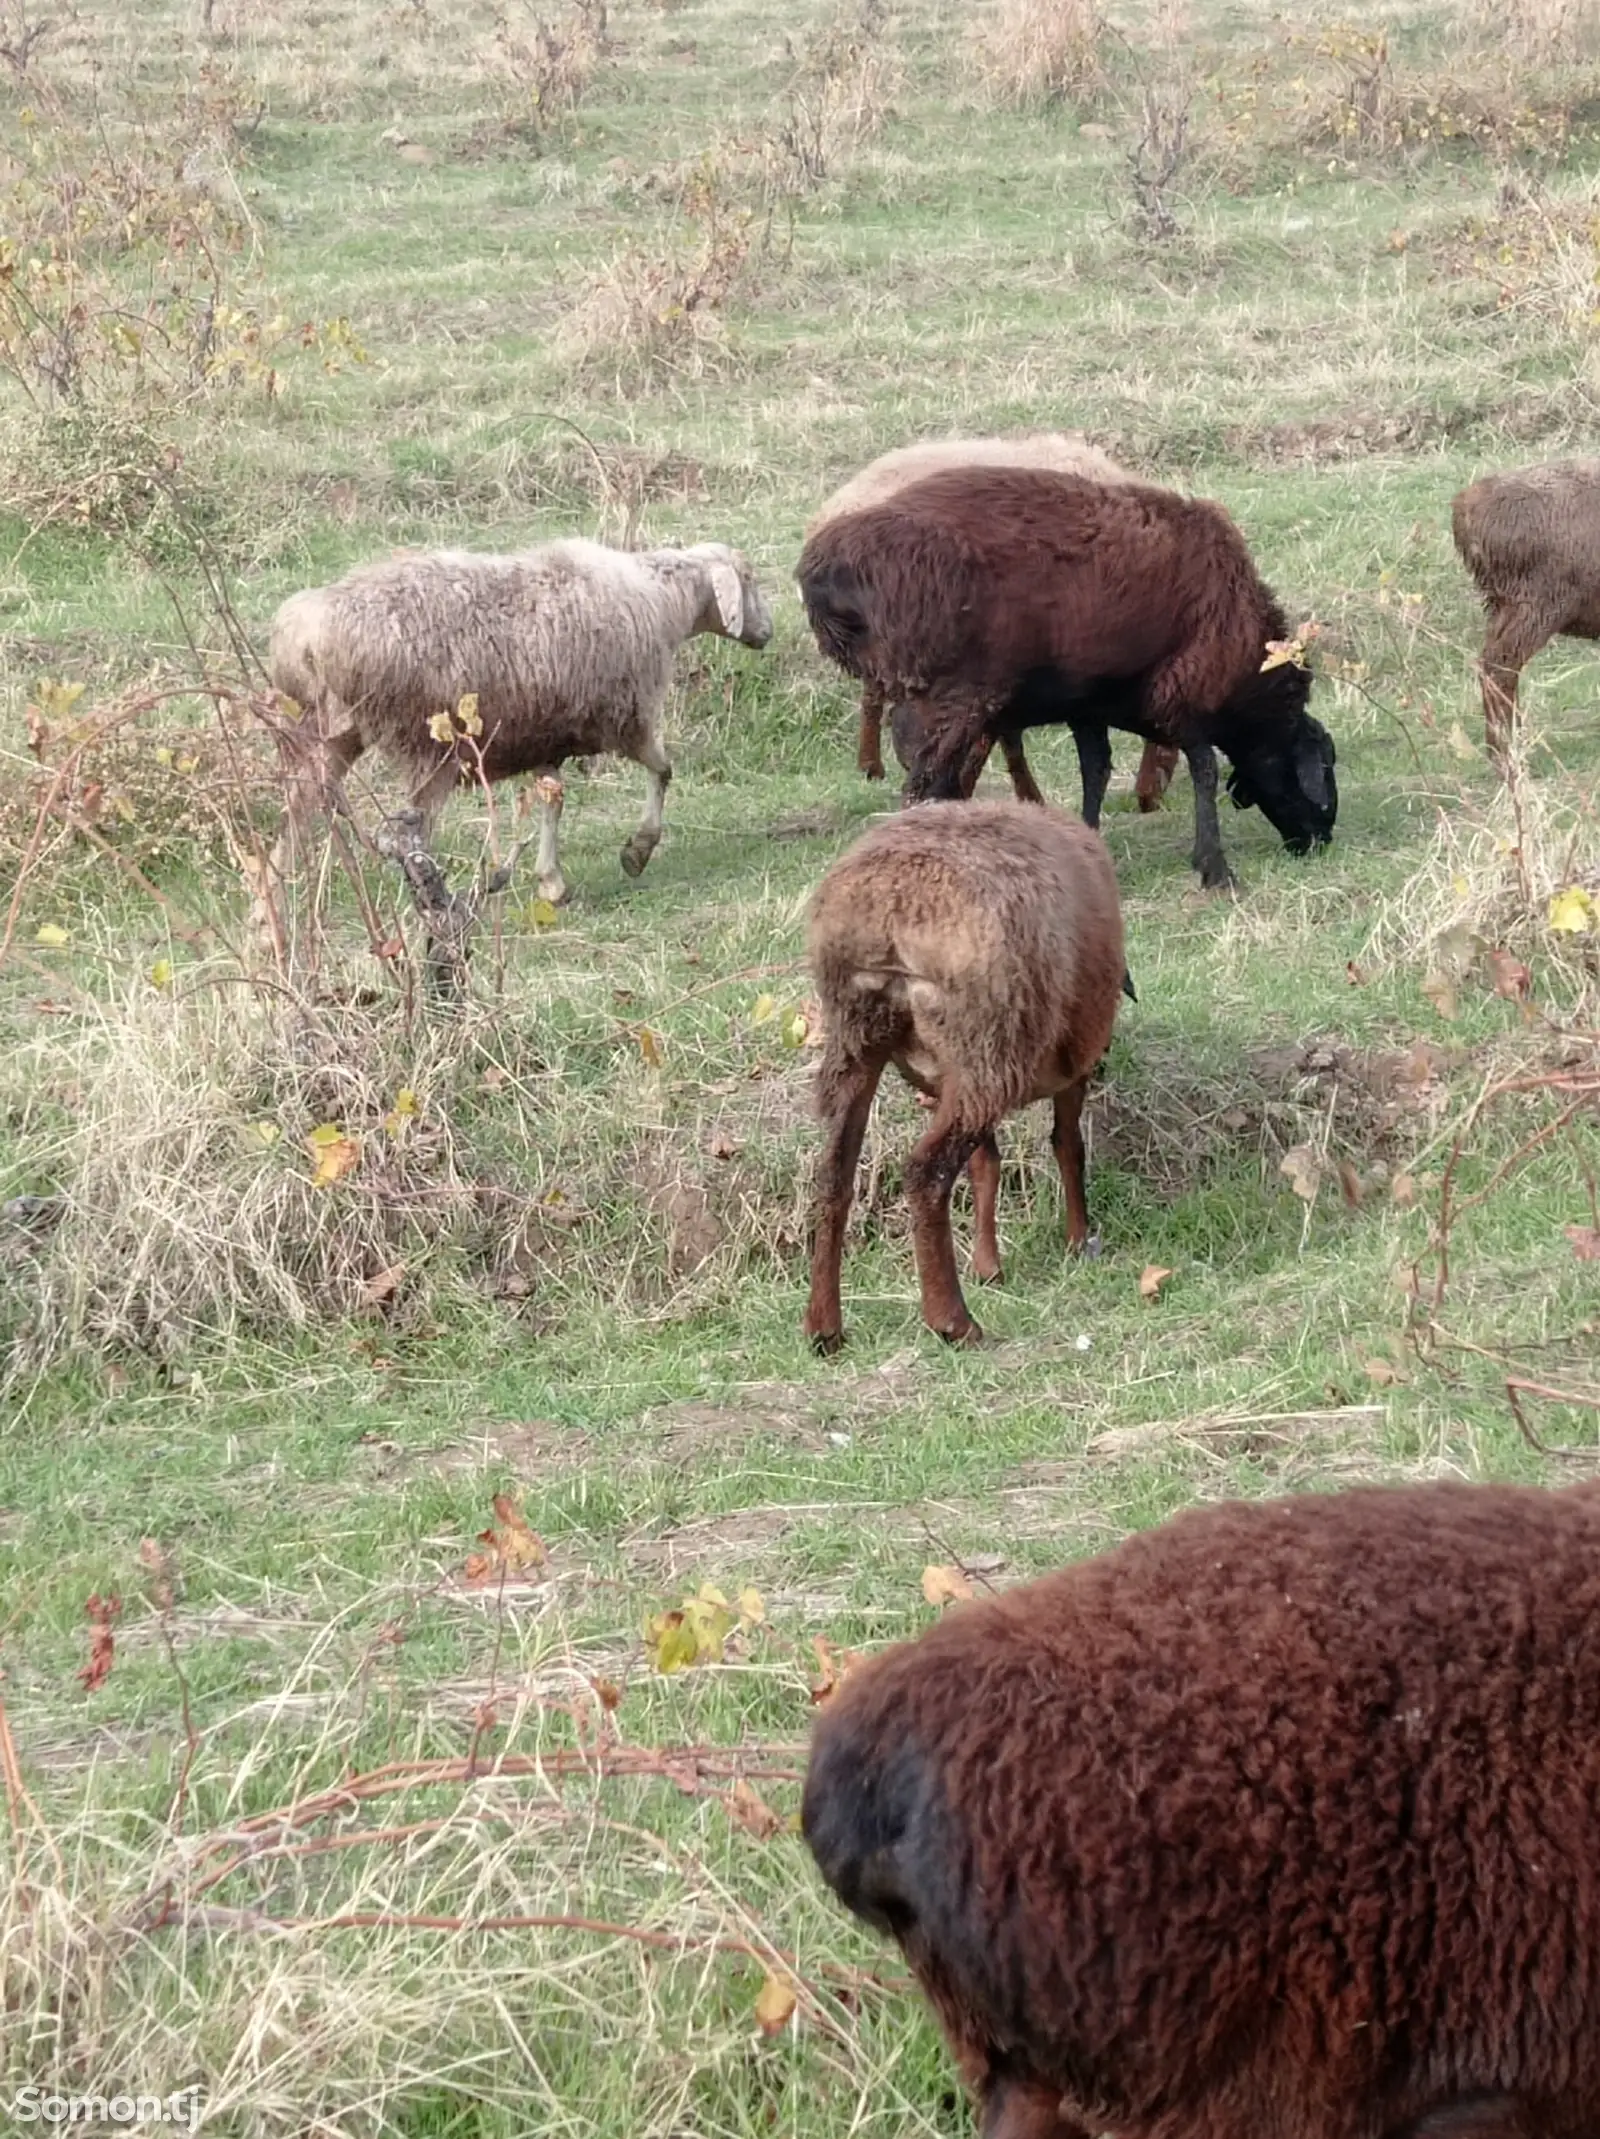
[977, 947]
[1063, 452]
[1280, 1821]
[988, 600]
[1531, 540]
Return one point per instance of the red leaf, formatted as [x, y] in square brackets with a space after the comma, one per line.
[102, 1614]
[1585, 1241]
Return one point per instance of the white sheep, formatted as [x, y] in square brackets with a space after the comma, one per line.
[567, 648]
[1058, 452]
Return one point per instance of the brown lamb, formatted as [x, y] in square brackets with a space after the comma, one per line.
[977, 947]
[1531, 540]
[1281, 1821]
[984, 601]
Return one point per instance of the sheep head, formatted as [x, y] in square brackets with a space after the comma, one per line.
[736, 608]
[1289, 777]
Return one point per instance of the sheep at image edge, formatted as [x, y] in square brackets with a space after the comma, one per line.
[1281, 1821]
[1530, 537]
[989, 600]
[1058, 452]
[568, 649]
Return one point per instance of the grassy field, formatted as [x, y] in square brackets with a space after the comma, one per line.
[288, 285]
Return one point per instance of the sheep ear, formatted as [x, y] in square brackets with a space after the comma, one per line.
[725, 585]
[1312, 774]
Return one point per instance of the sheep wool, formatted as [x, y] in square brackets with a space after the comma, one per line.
[1282, 1818]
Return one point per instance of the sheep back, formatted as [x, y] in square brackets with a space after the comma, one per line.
[563, 646]
[995, 925]
[1530, 537]
[995, 574]
[1063, 452]
[1283, 1816]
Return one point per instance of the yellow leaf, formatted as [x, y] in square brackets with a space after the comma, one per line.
[751, 1606]
[796, 1025]
[1151, 1280]
[710, 1594]
[442, 727]
[1574, 911]
[333, 1161]
[404, 1110]
[467, 713]
[264, 1133]
[762, 1009]
[671, 1642]
[161, 973]
[1460, 742]
[945, 1585]
[52, 935]
[1303, 1169]
[649, 1047]
[1460, 886]
[324, 1134]
[775, 2004]
[541, 913]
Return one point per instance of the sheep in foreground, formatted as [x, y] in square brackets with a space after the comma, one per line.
[1531, 540]
[567, 648]
[989, 600]
[1283, 1818]
[1062, 453]
[977, 947]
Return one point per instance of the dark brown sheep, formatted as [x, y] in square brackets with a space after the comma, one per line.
[977, 947]
[989, 600]
[1281, 1821]
[1531, 540]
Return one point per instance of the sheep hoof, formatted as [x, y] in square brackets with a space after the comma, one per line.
[555, 890]
[967, 1334]
[873, 771]
[989, 1274]
[826, 1342]
[1219, 879]
[633, 860]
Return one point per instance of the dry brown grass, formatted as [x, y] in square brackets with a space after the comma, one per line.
[1040, 51]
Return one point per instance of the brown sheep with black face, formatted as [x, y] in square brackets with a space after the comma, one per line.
[977, 947]
[1064, 452]
[989, 600]
[1281, 1821]
[1531, 540]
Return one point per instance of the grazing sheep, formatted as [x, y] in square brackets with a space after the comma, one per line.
[977, 947]
[568, 649]
[989, 600]
[1531, 540]
[1061, 452]
[1281, 1819]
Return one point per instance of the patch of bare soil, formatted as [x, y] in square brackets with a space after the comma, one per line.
[526, 1450]
[722, 1547]
[1177, 1124]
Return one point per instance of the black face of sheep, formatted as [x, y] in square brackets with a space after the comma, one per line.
[1291, 781]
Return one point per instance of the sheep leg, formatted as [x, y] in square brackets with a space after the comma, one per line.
[1154, 777]
[1208, 856]
[930, 1176]
[1025, 2109]
[847, 1092]
[869, 746]
[1094, 764]
[1023, 785]
[551, 797]
[1514, 637]
[983, 1169]
[658, 773]
[1066, 1141]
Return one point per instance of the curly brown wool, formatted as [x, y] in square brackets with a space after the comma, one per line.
[984, 601]
[1281, 1821]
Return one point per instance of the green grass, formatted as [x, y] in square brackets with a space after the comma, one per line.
[604, 1261]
